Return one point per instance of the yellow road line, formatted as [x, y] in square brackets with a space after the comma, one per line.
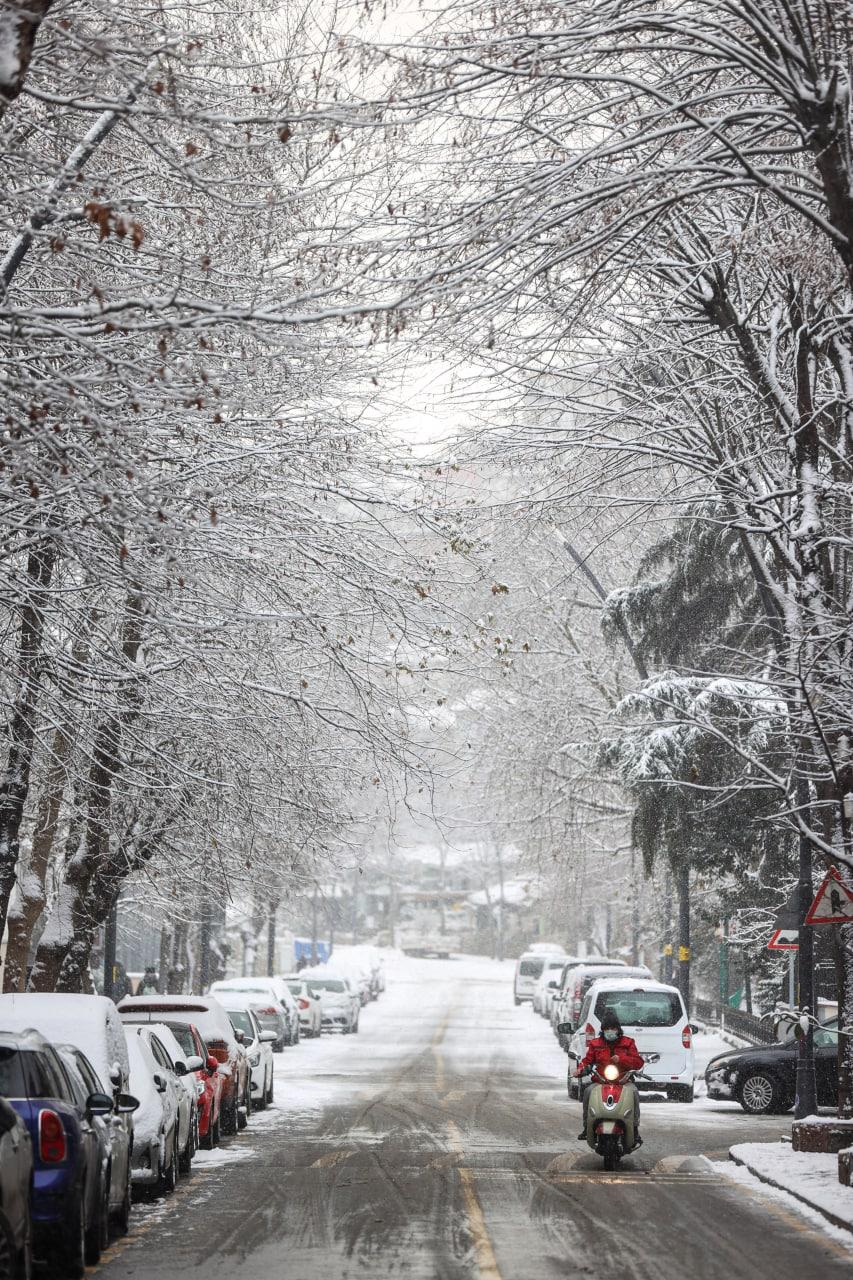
[487, 1263]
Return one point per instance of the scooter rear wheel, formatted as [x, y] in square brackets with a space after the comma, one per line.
[610, 1151]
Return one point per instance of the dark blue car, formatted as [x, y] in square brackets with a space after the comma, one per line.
[68, 1195]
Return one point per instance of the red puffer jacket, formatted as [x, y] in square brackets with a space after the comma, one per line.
[623, 1052]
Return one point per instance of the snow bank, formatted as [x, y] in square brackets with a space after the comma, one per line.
[811, 1177]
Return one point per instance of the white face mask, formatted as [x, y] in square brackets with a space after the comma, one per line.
[610, 1036]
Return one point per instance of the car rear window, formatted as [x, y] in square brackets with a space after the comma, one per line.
[184, 1037]
[11, 1074]
[327, 984]
[641, 1008]
[531, 968]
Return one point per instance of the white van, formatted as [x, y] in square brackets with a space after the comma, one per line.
[654, 1015]
[528, 971]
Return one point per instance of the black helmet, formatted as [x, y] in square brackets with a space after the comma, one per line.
[609, 1022]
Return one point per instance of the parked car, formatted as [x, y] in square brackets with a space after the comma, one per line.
[163, 1042]
[258, 1045]
[69, 1193]
[155, 1147]
[562, 992]
[16, 1178]
[581, 978]
[339, 1003]
[546, 984]
[763, 1078]
[214, 1025]
[73, 1074]
[654, 1015]
[528, 970]
[274, 989]
[208, 1078]
[91, 1026]
[308, 1004]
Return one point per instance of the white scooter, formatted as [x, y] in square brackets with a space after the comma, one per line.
[610, 1128]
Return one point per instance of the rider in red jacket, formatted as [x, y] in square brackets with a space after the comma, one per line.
[611, 1046]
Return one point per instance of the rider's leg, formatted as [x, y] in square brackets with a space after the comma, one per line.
[586, 1093]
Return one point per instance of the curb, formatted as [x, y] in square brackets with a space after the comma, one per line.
[780, 1186]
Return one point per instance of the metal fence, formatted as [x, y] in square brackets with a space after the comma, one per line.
[746, 1025]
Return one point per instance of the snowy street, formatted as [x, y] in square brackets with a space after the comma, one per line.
[440, 1143]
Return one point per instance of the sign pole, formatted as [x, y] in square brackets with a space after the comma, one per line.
[806, 1100]
[791, 987]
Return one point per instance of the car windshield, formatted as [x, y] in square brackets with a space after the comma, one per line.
[641, 1008]
[327, 984]
[531, 968]
[11, 1075]
[295, 988]
[241, 1021]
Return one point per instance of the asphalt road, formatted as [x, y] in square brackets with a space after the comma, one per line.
[439, 1144]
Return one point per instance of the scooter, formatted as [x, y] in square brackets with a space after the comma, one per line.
[610, 1127]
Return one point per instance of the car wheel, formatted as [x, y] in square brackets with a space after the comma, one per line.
[92, 1245]
[680, 1093]
[170, 1177]
[228, 1118]
[271, 1089]
[759, 1094]
[185, 1160]
[243, 1115]
[71, 1262]
[517, 1002]
[122, 1218]
[8, 1261]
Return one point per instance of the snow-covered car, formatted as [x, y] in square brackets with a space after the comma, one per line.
[273, 988]
[528, 970]
[162, 1039]
[308, 1004]
[653, 1014]
[563, 992]
[155, 1145]
[340, 1004]
[546, 984]
[214, 1025]
[258, 1045]
[208, 1079]
[91, 1025]
[763, 1078]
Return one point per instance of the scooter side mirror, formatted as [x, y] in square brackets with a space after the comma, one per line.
[574, 1057]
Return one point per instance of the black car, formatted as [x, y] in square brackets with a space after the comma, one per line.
[763, 1079]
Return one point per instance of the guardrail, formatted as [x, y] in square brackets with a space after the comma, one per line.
[746, 1025]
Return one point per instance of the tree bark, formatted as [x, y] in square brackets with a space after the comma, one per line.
[19, 26]
[15, 784]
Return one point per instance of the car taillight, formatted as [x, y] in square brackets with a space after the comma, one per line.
[686, 1037]
[589, 1030]
[303, 1003]
[219, 1052]
[53, 1147]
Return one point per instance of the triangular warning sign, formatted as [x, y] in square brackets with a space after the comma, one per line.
[784, 940]
[834, 901]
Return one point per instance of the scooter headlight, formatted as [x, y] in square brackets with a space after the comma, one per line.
[611, 1072]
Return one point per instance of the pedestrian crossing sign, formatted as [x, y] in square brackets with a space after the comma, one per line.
[834, 901]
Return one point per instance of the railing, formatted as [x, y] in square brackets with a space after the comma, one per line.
[746, 1025]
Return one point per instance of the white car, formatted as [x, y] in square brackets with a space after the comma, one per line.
[161, 1037]
[275, 988]
[308, 1004]
[154, 1166]
[258, 1044]
[653, 1014]
[547, 982]
[528, 970]
[339, 1002]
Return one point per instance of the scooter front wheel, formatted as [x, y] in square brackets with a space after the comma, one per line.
[609, 1149]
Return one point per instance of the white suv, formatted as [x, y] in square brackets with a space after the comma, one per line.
[655, 1017]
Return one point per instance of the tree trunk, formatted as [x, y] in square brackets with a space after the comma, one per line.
[683, 885]
[15, 783]
[19, 26]
[24, 917]
[165, 955]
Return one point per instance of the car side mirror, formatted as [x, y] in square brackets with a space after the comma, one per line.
[181, 1068]
[99, 1104]
[552, 986]
[194, 1063]
[159, 1082]
[240, 1037]
[126, 1103]
[564, 1028]
[268, 1037]
[116, 1075]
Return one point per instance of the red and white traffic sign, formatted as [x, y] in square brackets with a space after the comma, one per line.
[834, 901]
[784, 940]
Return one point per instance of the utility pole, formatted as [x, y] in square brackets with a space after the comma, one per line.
[271, 938]
[806, 1099]
[204, 945]
[110, 936]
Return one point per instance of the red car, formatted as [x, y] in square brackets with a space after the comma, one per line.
[209, 1081]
